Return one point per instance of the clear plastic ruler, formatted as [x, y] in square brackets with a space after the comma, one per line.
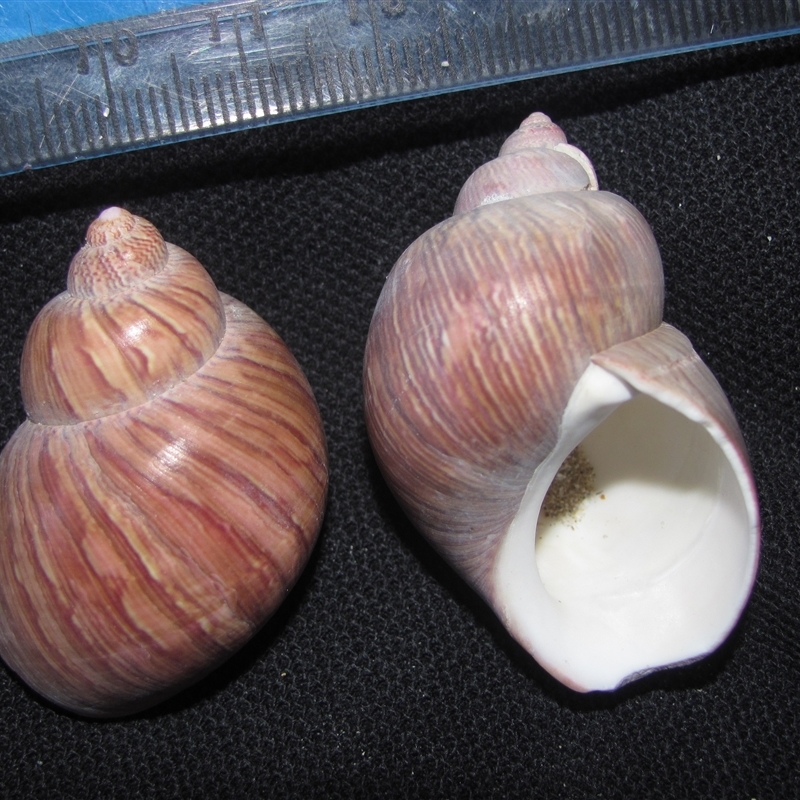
[80, 78]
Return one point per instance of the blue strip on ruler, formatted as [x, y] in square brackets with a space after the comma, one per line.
[22, 18]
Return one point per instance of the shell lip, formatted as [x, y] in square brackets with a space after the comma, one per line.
[600, 630]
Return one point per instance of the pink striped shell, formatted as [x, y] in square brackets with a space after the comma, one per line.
[167, 488]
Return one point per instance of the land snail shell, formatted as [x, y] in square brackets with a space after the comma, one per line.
[168, 485]
[528, 328]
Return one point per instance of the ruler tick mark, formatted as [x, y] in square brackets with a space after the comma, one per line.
[212, 114]
[165, 99]
[357, 82]
[112, 106]
[410, 67]
[276, 86]
[422, 53]
[289, 86]
[397, 69]
[60, 128]
[223, 101]
[237, 101]
[158, 130]
[305, 97]
[100, 117]
[376, 35]
[330, 80]
[198, 112]
[510, 32]
[215, 34]
[178, 84]
[44, 118]
[444, 33]
[137, 96]
[87, 124]
[258, 22]
[315, 78]
[248, 87]
[21, 149]
[352, 12]
[262, 89]
[9, 158]
[32, 133]
[341, 66]
[463, 57]
[126, 112]
[372, 84]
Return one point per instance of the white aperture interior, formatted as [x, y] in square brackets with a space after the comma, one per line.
[655, 566]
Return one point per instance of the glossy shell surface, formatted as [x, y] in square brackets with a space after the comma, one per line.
[167, 488]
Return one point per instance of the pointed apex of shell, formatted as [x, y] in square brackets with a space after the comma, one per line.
[121, 250]
[537, 130]
[111, 224]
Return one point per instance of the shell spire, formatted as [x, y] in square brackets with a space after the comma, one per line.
[121, 250]
[138, 317]
[535, 159]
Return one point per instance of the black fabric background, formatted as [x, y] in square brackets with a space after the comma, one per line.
[383, 675]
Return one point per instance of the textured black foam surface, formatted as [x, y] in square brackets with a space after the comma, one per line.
[383, 675]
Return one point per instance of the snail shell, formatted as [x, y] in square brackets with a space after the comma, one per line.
[526, 328]
[167, 487]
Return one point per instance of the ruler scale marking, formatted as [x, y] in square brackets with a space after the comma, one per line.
[276, 86]
[198, 113]
[563, 43]
[72, 127]
[238, 107]
[475, 49]
[178, 84]
[302, 82]
[168, 110]
[6, 157]
[60, 130]
[36, 150]
[245, 68]
[344, 78]
[463, 58]
[510, 31]
[330, 82]
[43, 116]
[527, 41]
[223, 100]
[142, 81]
[209, 119]
[376, 35]
[316, 81]
[263, 95]
[112, 105]
[19, 136]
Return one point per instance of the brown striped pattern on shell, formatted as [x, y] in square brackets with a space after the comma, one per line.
[141, 549]
[121, 250]
[86, 357]
[481, 331]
